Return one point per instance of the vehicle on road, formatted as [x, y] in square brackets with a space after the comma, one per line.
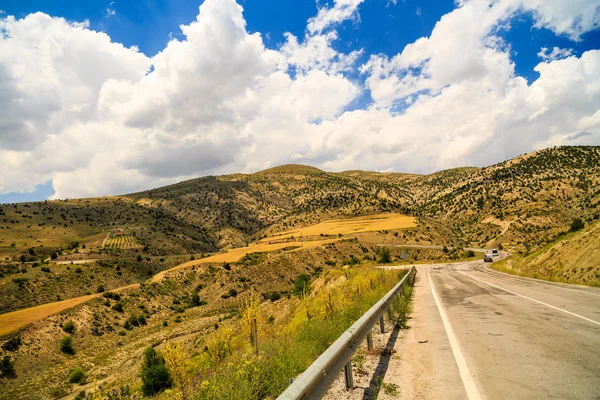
[495, 253]
[488, 258]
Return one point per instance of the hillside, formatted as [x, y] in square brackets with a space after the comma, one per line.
[521, 203]
[180, 261]
[573, 259]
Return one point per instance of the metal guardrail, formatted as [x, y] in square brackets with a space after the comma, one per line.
[317, 378]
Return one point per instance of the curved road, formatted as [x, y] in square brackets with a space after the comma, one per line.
[480, 334]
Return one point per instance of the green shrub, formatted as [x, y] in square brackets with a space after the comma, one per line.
[302, 285]
[577, 225]
[7, 366]
[45, 269]
[233, 292]
[275, 296]
[69, 326]
[66, 345]
[118, 306]
[77, 375]
[80, 395]
[100, 288]
[155, 375]
[12, 344]
[385, 255]
[469, 253]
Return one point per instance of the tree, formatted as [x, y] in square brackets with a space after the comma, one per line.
[302, 285]
[480, 203]
[12, 344]
[155, 375]
[66, 345]
[69, 326]
[139, 258]
[385, 256]
[577, 225]
[7, 366]
[175, 361]
[77, 375]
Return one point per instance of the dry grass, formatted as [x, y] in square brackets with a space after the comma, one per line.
[234, 255]
[378, 222]
[18, 319]
[574, 259]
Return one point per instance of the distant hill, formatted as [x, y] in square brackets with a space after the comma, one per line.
[574, 259]
[521, 203]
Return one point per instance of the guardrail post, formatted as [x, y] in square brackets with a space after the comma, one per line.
[370, 340]
[381, 325]
[348, 374]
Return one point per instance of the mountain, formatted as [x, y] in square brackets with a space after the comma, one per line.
[522, 203]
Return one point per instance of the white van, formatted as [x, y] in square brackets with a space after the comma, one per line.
[495, 253]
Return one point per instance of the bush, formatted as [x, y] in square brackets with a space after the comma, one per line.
[12, 344]
[7, 366]
[69, 327]
[155, 375]
[100, 289]
[77, 375]
[45, 269]
[233, 292]
[302, 285]
[118, 306]
[80, 395]
[577, 225]
[275, 296]
[66, 345]
[385, 256]
[469, 253]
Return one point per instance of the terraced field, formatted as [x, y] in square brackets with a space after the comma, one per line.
[378, 222]
[120, 242]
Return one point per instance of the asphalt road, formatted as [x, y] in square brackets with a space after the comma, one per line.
[480, 334]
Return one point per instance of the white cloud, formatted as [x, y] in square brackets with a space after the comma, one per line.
[556, 53]
[98, 118]
[342, 10]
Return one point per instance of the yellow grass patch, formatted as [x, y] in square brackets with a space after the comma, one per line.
[367, 223]
[17, 319]
[236, 254]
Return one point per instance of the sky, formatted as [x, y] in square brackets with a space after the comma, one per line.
[111, 97]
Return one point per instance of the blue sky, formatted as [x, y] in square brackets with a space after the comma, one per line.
[384, 27]
[379, 28]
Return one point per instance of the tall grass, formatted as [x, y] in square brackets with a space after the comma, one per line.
[288, 348]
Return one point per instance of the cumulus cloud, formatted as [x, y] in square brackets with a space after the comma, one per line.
[98, 118]
[554, 54]
[342, 10]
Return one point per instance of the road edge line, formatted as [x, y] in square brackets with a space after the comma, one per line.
[463, 368]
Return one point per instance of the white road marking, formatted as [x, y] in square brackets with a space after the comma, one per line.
[521, 278]
[463, 368]
[534, 300]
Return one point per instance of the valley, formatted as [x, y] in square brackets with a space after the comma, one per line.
[184, 263]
